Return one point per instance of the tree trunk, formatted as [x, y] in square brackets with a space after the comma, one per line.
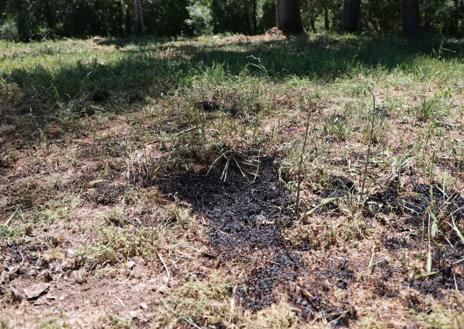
[351, 12]
[326, 19]
[411, 18]
[139, 14]
[454, 29]
[289, 16]
[252, 20]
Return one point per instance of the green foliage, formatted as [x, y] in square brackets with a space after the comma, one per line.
[200, 17]
[237, 16]
[268, 19]
[44, 19]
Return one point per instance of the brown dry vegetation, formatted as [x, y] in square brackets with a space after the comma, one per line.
[176, 208]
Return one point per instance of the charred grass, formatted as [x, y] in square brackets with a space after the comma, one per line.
[168, 199]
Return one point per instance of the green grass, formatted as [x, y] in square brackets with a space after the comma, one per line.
[56, 75]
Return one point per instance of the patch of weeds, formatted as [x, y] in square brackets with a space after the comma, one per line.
[50, 324]
[116, 322]
[370, 322]
[177, 215]
[442, 318]
[278, 316]
[116, 244]
[115, 216]
[199, 304]
[336, 127]
[4, 324]
[378, 134]
[12, 234]
[431, 109]
[55, 210]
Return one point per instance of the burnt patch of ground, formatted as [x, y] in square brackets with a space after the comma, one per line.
[310, 304]
[447, 273]
[258, 289]
[415, 207]
[414, 203]
[445, 279]
[385, 201]
[341, 273]
[337, 187]
[246, 206]
[244, 202]
[426, 197]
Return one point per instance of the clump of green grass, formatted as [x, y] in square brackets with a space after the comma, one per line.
[440, 317]
[198, 303]
[431, 109]
[116, 322]
[115, 216]
[337, 126]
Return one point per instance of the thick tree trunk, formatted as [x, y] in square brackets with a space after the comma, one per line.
[351, 12]
[411, 18]
[289, 16]
[139, 14]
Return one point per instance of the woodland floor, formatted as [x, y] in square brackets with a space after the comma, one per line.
[150, 183]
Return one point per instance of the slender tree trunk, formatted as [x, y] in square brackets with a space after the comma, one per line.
[139, 14]
[289, 16]
[411, 18]
[351, 12]
[313, 25]
[455, 21]
[255, 16]
[326, 19]
[252, 24]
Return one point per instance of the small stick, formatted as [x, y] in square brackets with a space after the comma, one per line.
[164, 264]
[186, 130]
[371, 262]
[368, 155]
[300, 166]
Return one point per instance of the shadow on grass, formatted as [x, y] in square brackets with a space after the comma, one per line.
[140, 70]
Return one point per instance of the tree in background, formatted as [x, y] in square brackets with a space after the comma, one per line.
[289, 17]
[268, 19]
[139, 16]
[200, 17]
[351, 12]
[43, 19]
[411, 18]
[234, 16]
